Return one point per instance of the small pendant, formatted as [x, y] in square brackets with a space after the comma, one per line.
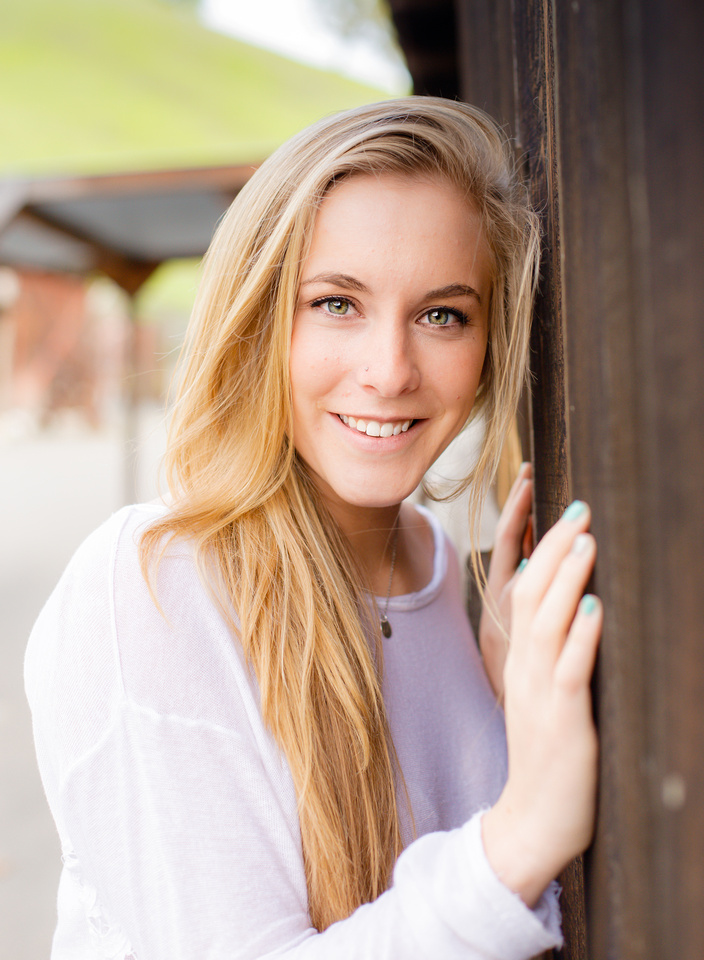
[385, 626]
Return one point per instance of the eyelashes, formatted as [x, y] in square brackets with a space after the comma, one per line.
[435, 317]
[339, 306]
[437, 313]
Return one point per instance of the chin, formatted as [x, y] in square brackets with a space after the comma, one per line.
[370, 498]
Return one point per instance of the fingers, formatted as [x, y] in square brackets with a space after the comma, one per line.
[534, 582]
[512, 527]
[576, 664]
[525, 472]
[556, 613]
[552, 743]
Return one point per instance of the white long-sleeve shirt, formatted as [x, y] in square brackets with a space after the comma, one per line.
[176, 809]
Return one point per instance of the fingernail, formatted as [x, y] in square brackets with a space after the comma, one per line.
[575, 509]
[581, 543]
[522, 565]
[587, 604]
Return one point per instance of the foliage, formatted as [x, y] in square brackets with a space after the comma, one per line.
[101, 85]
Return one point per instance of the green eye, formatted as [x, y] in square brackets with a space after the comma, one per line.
[439, 317]
[338, 307]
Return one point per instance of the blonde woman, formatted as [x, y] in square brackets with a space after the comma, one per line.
[262, 721]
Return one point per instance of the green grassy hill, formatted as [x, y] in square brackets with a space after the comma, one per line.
[91, 86]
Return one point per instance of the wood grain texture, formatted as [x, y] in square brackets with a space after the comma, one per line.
[486, 58]
[631, 160]
[598, 298]
[536, 86]
[536, 135]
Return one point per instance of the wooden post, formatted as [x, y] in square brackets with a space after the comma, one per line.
[609, 101]
[631, 156]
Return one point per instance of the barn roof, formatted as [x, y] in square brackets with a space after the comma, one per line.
[124, 225]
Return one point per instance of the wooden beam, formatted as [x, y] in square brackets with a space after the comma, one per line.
[229, 179]
[127, 272]
[12, 199]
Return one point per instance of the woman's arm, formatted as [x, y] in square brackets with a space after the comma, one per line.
[177, 812]
[545, 814]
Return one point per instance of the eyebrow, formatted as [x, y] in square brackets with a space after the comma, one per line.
[351, 283]
[454, 290]
[338, 280]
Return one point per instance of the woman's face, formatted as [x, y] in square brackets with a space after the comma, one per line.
[389, 335]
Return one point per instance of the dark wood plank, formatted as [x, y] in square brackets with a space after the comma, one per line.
[537, 140]
[598, 300]
[486, 58]
[631, 156]
[536, 135]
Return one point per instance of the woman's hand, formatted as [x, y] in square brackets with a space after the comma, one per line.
[545, 814]
[512, 544]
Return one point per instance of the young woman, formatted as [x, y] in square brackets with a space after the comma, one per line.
[262, 721]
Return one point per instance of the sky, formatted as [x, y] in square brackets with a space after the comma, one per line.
[294, 28]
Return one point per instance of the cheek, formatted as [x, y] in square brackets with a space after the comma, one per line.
[305, 362]
[461, 376]
[316, 367]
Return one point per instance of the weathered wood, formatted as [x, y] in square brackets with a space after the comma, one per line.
[533, 43]
[486, 58]
[598, 298]
[632, 209]
[536, 135]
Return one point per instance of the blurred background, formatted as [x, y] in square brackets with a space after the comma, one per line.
[126, 128]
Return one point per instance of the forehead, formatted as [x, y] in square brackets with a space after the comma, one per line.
[358, 187]
[392, 224]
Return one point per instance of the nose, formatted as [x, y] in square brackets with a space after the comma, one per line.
[389, 364]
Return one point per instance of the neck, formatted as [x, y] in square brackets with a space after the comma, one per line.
[370, 532]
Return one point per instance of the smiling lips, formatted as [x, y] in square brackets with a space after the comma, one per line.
[375, 428]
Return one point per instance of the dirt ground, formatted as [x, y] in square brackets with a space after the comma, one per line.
[57, 486]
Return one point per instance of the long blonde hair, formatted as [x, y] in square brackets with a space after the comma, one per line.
[281, 569]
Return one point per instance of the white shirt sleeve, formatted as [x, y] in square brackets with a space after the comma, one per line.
[176, 810]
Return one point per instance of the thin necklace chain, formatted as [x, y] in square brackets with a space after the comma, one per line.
[384, 621]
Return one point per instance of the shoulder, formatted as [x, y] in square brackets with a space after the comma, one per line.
[114, 542]
[101, 639]
[84, 594]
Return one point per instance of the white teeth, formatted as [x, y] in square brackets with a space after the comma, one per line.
[375, 428]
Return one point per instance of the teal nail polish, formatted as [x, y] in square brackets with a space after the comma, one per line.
[587, 605]
[522, 565]
[575, 509]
